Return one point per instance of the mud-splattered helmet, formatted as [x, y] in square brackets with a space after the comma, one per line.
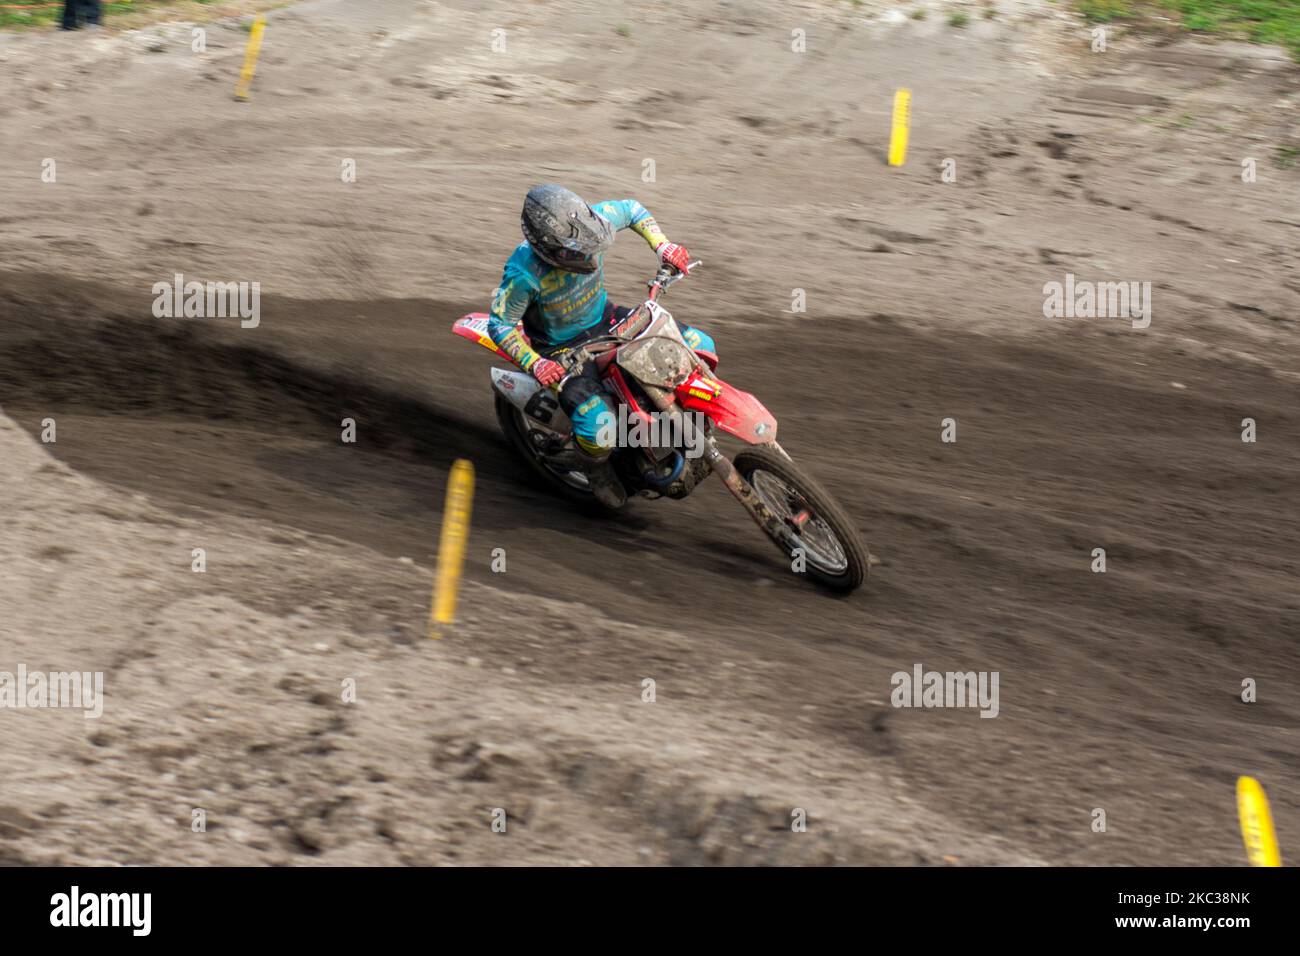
[563, 230]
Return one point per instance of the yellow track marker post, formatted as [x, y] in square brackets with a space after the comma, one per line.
[1257, 824]
[250, 58]
[451, 546]
[899, 130]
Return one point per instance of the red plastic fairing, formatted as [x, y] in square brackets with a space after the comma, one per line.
[735, 412]
[634, 409]
[475, 328]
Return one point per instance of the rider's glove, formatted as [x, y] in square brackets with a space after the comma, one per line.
[547, 372]
[675, 255]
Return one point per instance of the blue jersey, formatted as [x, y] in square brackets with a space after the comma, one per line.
[559, 305]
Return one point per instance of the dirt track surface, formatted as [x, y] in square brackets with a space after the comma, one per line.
[1119, 691]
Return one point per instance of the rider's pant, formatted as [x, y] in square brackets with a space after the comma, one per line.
[590, 407]
[585, 400]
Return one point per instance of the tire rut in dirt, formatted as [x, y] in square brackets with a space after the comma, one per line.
[1076, 442]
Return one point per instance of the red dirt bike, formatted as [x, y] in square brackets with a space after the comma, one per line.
[656, 379]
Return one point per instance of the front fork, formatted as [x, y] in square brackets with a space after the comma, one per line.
[741, 489]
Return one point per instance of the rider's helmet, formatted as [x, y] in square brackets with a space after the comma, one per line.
[563, 230]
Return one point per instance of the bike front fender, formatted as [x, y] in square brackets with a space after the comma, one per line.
[733, 410]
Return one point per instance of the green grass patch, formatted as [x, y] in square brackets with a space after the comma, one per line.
[1104, 11]
[125, 14]
[30, 13]
[1261, 21]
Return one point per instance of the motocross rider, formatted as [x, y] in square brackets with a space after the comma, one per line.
[554, 282]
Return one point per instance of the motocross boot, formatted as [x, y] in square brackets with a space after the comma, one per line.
[605, 486]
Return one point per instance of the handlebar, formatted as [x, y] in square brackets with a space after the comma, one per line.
[665, 277]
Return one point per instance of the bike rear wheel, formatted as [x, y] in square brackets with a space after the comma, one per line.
[518, 428]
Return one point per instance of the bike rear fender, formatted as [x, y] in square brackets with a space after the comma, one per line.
[475, 328]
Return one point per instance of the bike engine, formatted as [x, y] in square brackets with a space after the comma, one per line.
[696, 470]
